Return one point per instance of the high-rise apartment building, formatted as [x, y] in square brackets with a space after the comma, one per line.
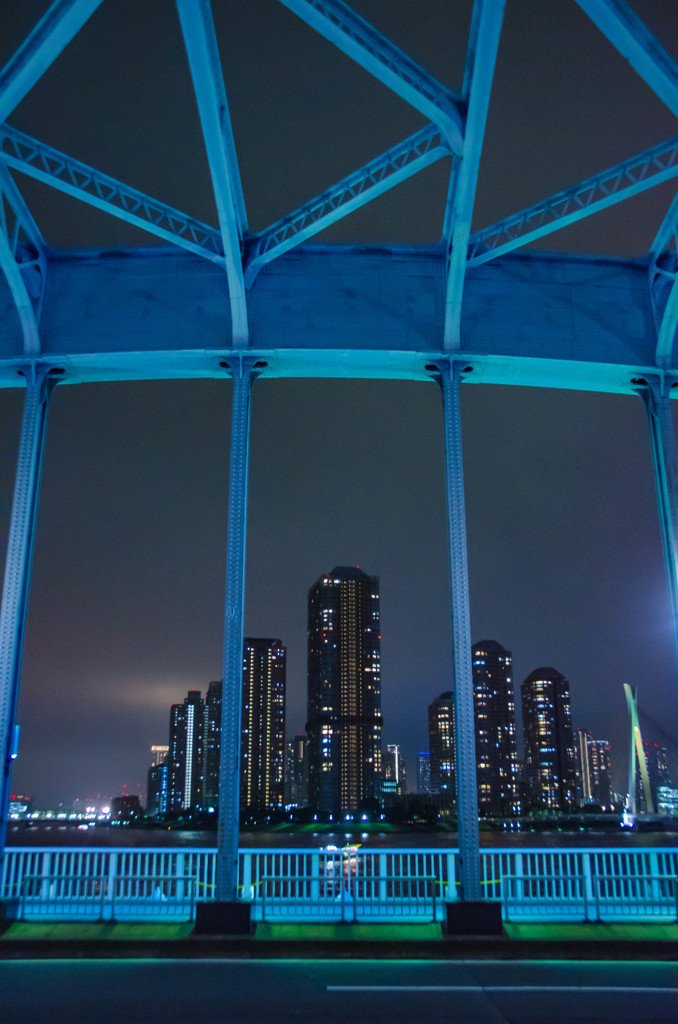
[495, 728]
[296, 771]
[262, 752]
[262, 757]
[657, 761]
[394, 783]
[423, 771]
[602, 774]
[594, 770]
[442, 749]
[344, 691]
[157, 790]
[157, 785]
[550, 759]
[212, 745]
[185, 758]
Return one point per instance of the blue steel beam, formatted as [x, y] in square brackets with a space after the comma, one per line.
[480, 62]
[668, 232]
[27, 224]
[203, 58]
[22, 259]
[635, 42]
[17, 571]
[623, 181]
[663, 281]
[375, 53]
[40, 49]
[449, 377]
[656, 396]
[228, 827]
[668, 325]
[105, 193]
[378, 176]
[342, 311]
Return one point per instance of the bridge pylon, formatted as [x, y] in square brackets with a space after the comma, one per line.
[637, 750]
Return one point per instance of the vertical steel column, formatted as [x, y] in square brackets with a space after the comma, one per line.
[665, 460]
[17, 571]
[228, 829]
[464, 719]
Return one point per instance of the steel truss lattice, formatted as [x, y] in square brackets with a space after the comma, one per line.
[53, 168]
[623, 181]
[401, 162]
[270, 306]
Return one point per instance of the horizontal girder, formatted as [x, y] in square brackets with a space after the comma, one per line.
[389, 169]
[343, 311]
[626, 179]
[362, 43]
[105, 193]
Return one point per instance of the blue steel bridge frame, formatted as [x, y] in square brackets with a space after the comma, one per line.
[223, 301]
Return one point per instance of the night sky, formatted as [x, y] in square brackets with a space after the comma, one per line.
[566, 570]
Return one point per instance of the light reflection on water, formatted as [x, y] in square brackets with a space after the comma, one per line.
[65, 835]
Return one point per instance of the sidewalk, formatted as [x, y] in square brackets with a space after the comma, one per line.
[28, 940]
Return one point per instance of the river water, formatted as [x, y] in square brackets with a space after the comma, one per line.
[106, 835]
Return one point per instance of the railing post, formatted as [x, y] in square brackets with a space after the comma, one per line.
[657, 400]
[39, 383]
[315, 877]
[110, 889]
[353, 887]
[247, 891]
[45, 868]
[179, 877]
[228, 832]
[383, 888]
[451, 893]
[591, 889]
[449, 376]
[342, 893]
[655, 886]
[519, 879]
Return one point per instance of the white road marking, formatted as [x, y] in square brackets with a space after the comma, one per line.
[502, 988]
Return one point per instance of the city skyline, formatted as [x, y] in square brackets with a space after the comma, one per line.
[127, 599]
[212, 726]
[497, 653]
[594, 759]
[553, 775]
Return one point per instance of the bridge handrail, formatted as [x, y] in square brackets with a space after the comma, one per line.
[109, 892]
[618, 881]
[347, 886]
[597, 881]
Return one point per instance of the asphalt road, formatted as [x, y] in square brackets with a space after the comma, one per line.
[328, 991]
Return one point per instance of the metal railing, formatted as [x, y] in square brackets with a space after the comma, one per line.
[633, 896]
[105, 898]
[545, 896]
[590, 897]
[381, 884]
[349, 898]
